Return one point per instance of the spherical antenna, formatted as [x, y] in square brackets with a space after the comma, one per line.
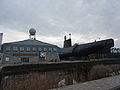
[32, 35]
[32, 31]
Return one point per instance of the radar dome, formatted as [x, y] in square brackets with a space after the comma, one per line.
[32, 31]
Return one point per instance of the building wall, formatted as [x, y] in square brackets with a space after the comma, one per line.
[17, 60]
[17, 53]
[1, 36]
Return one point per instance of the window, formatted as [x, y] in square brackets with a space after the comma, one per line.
[54, 49]
[15, 48]
[21, 48]
[24, 59]
[7, 59]
[50, 49]
[34, 49]
[39, 49]
[45, 49]
[8, 48]
[28, 49]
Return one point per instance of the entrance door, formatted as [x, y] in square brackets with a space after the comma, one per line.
[24, 59]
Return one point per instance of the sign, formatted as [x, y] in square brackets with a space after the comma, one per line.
[42, 55]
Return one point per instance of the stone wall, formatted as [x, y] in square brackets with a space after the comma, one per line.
[54, 79]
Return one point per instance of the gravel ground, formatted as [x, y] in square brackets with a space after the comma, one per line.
[110, 83]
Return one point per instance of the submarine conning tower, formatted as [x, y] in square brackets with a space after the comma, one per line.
[67, 42]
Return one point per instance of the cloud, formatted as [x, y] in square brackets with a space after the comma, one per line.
[11, 35]
[87, 20]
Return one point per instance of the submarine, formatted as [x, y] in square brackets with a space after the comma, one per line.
[84, 50]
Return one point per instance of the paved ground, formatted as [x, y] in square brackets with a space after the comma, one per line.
[110, 83]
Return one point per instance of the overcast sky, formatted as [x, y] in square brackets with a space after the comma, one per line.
[87, 20]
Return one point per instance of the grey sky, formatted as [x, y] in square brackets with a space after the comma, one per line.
[87, 20]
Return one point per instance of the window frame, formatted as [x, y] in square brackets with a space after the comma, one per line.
[22, 49]
[7, 48]
[45, 49]
[55, 49]
[28, 49]
[34, 49]
[39, 49]
[15, 48]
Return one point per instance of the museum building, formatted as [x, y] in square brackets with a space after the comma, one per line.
[28, 51]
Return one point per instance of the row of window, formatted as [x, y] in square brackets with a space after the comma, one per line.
[29, 49]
